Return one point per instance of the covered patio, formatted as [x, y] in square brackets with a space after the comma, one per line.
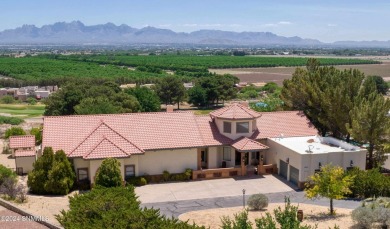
[244, 157]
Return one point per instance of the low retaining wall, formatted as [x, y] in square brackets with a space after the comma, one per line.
[215, 173]
[14, 208]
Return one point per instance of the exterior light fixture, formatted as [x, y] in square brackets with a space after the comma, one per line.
[319, 165]
[261, 158]
[351, 163]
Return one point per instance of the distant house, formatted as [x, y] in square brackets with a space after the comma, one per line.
[188, 85]
[23, 149]
[231, 141]
[42, 94]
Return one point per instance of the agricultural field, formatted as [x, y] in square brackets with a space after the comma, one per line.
[37, 68]
[22, 110]
[279, 74]
[189, 63]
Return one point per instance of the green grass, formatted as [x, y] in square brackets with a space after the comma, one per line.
[202, 112]
[22, 110]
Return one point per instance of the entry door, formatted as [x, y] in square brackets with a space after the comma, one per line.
[238, 158]
[203, 160]
[283, 169]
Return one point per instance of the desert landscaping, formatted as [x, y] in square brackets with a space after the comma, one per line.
[313, 215]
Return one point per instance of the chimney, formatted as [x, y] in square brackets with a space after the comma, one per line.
[169, 108]
[244, 103]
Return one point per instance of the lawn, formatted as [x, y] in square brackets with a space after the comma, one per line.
[22, 110]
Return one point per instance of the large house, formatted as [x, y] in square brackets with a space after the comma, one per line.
[231, 141]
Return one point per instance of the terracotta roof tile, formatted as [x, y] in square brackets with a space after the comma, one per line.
[287, 123]
[106, 149]
[147, 131]
[25, 141]
[210, 133]
[235, 111]
[246, 144]
[24, 153]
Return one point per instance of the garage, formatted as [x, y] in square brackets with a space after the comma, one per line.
[283, 169]
[294, 175]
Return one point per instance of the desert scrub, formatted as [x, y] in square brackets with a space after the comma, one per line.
[257, 201]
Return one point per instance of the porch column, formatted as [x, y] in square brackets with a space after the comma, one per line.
[243, 167]
[260, 168]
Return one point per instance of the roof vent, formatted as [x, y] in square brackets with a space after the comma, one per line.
[311, 147]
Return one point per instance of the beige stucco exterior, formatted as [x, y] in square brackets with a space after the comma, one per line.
[26, 163]
[234, 135]
[308, 163]
[151, 162]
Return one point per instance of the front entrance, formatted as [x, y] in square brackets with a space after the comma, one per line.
[203, 158]
[238, 158]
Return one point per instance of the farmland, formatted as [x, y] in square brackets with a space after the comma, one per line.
[22, 110]
[279, 74]
[55, 69]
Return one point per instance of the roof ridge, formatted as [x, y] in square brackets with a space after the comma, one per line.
[120, 114]
[104, 138]
[244, 108]
[197, 128]
[22, 136]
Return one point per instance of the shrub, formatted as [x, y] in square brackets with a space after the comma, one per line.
[6, 173]
[372, 212]
[61, 177]
[52, 174]
[257, 201]
[166, 175]
[240, 221]
[37, 132]
[7, 99]
[10, 120]
[188, 174]
[109, 173]
[115, 207]
[137, 181]
[14, 131]
[11, 188]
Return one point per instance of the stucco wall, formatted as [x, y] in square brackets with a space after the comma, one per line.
[25, 162]
[308, 163]
[174, 161]
[387, 162]
[233, 134]
[213, 161]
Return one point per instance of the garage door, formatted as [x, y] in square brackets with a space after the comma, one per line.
[294, 175]
[283, 169]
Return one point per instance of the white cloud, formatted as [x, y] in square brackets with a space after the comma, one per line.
[190, 25]
[165, 25]
[331, 25]
[277, 24]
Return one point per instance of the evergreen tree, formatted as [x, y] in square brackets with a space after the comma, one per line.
[197, 96]
[61, 177]
[109, 173]
[148, 99]
[371, 124]
[171, 89]
[39, 175]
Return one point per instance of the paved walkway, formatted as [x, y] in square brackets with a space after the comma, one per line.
[174, 199]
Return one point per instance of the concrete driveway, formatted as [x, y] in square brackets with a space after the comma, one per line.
[179, 191]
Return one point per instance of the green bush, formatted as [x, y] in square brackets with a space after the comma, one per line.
[14, 131]
[52, 174]
[37, 132]
[188, 174]
[7, 99]
[369, 183]
[115, 207]
[137, 181]
[6, 173]
[10, 120]
[258, 201]
[166, 175]
[109, 173]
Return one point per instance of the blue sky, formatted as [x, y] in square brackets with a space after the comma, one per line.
[326, 21]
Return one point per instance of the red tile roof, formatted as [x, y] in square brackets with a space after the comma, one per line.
[145, 131]
[235, 111]
[246, 144]
[25, 141]
[24, 153]
[121, 135]
[287, 123]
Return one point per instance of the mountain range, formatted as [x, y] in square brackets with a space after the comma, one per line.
[76, 33]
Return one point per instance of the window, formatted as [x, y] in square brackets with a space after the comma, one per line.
[226, 153]
[242, 127]
[129, 171]
[82, 174]
[227, 127]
